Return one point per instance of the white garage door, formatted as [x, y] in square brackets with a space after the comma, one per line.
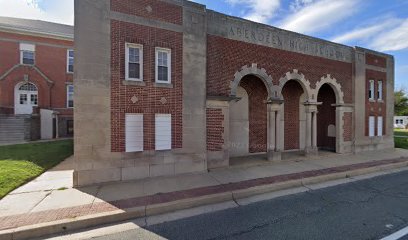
[163, 131]
[380, 126]
[371, 126]
[134, 132]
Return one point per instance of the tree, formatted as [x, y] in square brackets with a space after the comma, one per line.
[401, 103]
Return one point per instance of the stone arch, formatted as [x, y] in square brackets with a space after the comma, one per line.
[252, 70]
[332, 82]
[300, 78]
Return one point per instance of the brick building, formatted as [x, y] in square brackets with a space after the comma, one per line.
[167, 87]
[36, 79]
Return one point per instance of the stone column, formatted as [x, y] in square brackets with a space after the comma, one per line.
[314, 130]
[311, 129]
[274, 152]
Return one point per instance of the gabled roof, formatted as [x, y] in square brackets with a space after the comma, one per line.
[37, 27]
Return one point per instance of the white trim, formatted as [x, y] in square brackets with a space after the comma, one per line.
[380, 90]
[168, 51]
[68, 86]
[140, 47]
[68, 57]
[27, 47]
[371, 89]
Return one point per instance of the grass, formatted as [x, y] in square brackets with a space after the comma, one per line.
[401, 142]
[400, 132]
[22, 163]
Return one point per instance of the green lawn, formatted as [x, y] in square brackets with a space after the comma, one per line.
[22, 163]
[400, 132]
[401, 142]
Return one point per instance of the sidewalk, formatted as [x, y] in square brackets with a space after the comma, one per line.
[49, 204]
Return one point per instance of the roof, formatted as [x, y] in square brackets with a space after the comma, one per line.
[37, 27]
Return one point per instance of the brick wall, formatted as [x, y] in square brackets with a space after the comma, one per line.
[150, 98]
[348, 126]
[375, 60]
[215, 129]
[152, 9]
[291, 94]
[225, 57]
[376, 108]
[326, 116]
[257, 113]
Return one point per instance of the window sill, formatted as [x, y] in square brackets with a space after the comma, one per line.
[133, 83]
[371, 100]
[163, 85]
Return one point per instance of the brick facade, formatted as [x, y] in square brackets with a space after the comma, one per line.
[226, 56]
[215, 129]
[291, 94]
[376, 107]
[257, 96]
[152, 9]
[151, 98]
[49, 73]
[375, 60]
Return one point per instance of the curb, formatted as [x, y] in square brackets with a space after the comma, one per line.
[67, 225]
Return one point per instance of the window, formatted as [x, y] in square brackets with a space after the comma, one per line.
[23, 98]
[134, 132]
[380, 90]
[163, 65]
[371, 125]
[163, 131]
[34, 99]
[379, 126]
[134, 62]
[371, 90]
[70, 61]
[70, 96]
[27, 53]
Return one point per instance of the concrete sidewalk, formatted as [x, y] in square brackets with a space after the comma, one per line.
[50, 204]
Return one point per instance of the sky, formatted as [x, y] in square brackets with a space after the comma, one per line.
[381, 25]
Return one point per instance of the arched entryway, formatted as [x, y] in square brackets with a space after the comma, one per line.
[248, 118]
[326, 118]
[26, 97]
[294, 97]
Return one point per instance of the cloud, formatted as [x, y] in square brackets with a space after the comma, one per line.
[61, 11]
[393, 40]
[368, 31]
[318, 15]
[258, 10]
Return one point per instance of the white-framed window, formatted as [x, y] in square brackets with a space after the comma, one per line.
[379, 126]
[371, 126]
[134, 132]
[380, 90]
[371, 90]
[70, 61]
[163, 65]
[163, 131]
[70, 96]
[134, 62]
[27, 53]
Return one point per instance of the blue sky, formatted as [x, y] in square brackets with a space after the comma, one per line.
[381, 25]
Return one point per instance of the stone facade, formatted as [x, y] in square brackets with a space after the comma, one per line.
[237, 88]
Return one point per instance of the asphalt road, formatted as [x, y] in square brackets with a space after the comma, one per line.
[368, 209]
